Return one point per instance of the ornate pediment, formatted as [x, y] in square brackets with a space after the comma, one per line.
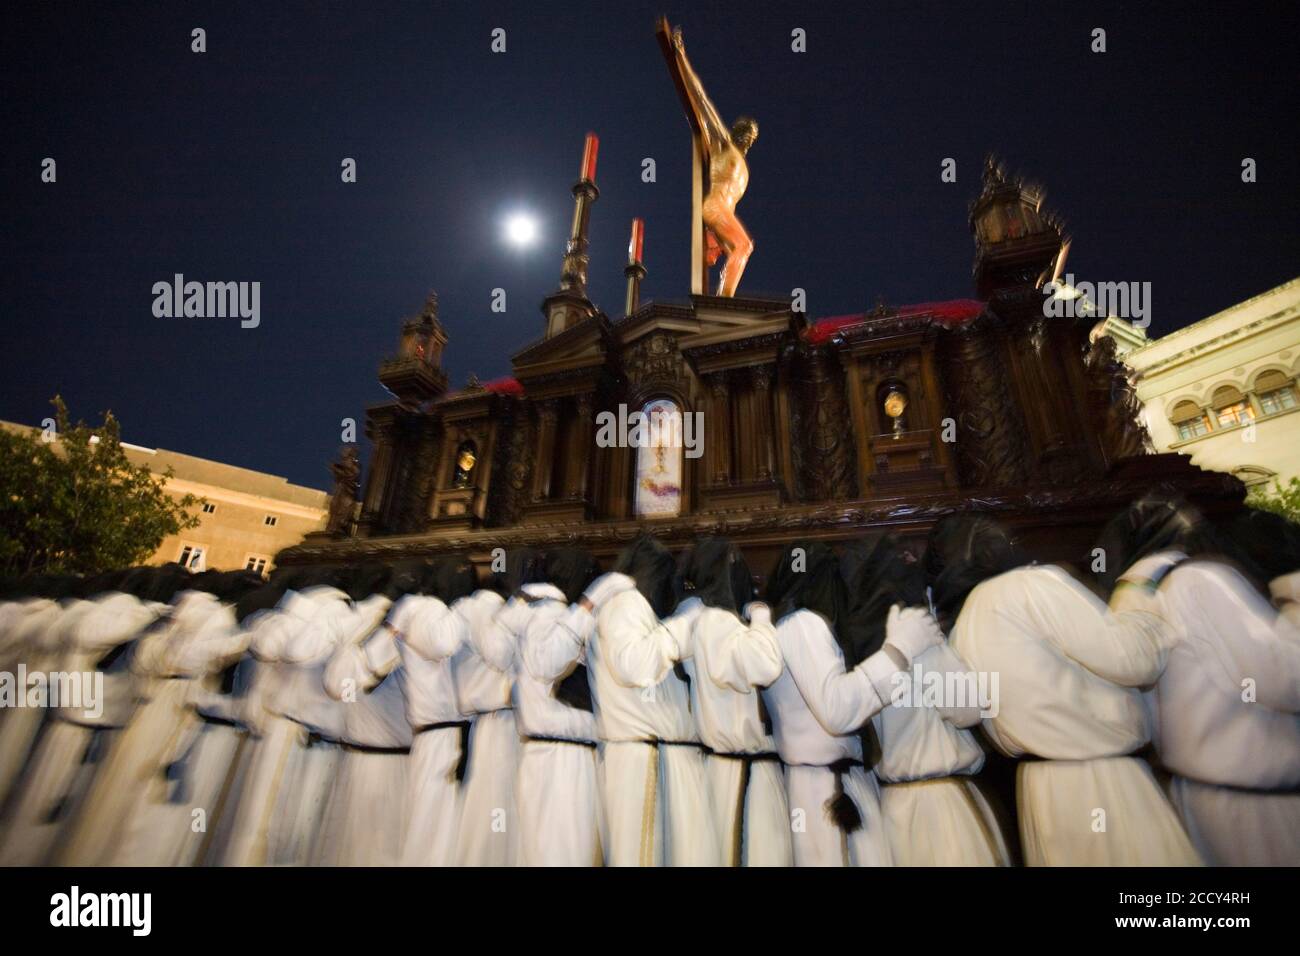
[583, 345]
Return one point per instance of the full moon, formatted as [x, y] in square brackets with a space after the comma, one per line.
[521, 230]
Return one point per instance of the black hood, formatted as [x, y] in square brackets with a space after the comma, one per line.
[365, 580]
[1263, 544]
[523, 566]
[571, 570]
[451, 578]
[807, 577]
[964, 551]
[651, 566]
[1149, 525]
[227, 586]
[715, 572]
[878, 573]
[408, 577]
[104, 582]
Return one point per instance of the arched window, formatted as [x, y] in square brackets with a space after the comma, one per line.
[658, 460]
[1230, 407]
[1275, 392]
[466, 459]
[1253, 475]
[1188, 420]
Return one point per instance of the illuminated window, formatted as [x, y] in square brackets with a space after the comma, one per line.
[466, 459]
[1189, 420]
[1275, 392]
[659, 460]
[1230, 407]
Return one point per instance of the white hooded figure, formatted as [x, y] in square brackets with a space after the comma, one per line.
[735, 658]
[654, 784]
[1068, 707]
[1226, 703]
[819, 708]
[415, 645]
[557, 793]
[925, 751]
[62, 780]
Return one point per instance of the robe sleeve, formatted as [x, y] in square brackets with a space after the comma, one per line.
[945, 660]
[496, 644]
[743, 656]
[639, 648]
[1248, 641]
[381, 653]
[435, 631]
[555, 642]
[842, 701]
[1128, 646]
[347, 670]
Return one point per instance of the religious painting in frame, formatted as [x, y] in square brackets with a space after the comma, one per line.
[659, 461]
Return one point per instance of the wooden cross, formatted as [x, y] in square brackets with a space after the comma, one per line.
[699, 164]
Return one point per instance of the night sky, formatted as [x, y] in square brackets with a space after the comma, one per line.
[225, 166]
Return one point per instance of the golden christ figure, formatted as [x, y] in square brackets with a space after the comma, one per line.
[727, 171]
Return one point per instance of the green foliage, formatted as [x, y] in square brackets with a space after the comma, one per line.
[1282, 499]
[78, 505]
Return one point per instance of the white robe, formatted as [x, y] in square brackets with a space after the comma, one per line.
[488, 821]
[181, 801]
[733, 661]
[655, 787]
[37, 643]
[557, 793]
[420, 660]
[66, 775]
[1061, 658]
[366, 813]
[934, 814]
[265, 821]
[817, 710]
[1228, 717]
[315, 758]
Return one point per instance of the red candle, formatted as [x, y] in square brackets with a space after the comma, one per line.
[638, 238]
[589, 158]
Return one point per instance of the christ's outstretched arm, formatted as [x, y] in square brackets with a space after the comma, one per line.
[715, 130]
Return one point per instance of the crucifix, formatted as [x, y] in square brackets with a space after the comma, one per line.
[719, 173]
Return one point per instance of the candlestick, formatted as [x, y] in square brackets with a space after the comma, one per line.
[589, 151]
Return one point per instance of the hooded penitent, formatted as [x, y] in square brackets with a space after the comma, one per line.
[523, 566]
[962, 552]
[1147, 526]
[366, 579]
[878, 574]
[807, 577]
[571, 570]
[450, 579]
[651, 566]
[408, 577]
[715, 572]
[1264, 544]
[227, 586]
